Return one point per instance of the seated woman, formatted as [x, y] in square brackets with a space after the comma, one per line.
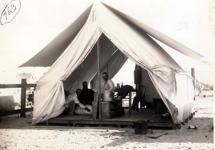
[79, 108]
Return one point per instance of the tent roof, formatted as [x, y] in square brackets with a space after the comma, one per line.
[47, 56]
[141, 27]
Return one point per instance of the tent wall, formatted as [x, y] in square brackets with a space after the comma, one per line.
[150, 90]
[185, 96]
[181, 103]
[179, 98]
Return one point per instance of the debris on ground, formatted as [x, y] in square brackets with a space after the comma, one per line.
[156, 135]
[192, 127]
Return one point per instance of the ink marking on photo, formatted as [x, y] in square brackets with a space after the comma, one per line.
[10, 11]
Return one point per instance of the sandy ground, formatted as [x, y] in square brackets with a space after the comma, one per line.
[18, 134]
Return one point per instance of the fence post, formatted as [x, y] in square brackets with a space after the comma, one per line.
[23, 97]
[193, 76]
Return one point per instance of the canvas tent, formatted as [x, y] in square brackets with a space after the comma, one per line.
[73, 59]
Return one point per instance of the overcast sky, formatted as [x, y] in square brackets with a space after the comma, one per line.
[39, 21]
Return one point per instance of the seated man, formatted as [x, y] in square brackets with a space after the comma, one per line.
[79, 107]
[86, 96]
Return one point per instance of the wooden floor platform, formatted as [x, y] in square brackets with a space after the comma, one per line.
[153, 120]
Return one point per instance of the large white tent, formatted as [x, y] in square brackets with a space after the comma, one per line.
[72, 56]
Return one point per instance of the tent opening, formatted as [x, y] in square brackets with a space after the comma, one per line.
[140, 97]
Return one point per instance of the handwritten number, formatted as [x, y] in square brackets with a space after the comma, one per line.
[11, 9]
[5, 14]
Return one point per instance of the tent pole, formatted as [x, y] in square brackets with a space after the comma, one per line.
[99, 79]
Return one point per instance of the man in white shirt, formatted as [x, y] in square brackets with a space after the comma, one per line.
[107, 87]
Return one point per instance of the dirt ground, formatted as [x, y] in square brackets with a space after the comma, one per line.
[18, 134]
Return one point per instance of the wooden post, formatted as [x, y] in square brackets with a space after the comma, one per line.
[23, 97]
[99, 80]
[129, 107]
[193, 76]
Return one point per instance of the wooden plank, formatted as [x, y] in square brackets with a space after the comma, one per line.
[95, 105]
[31, 85]
[16, 85]
[74, 117]
[109, 122]
[10, 85]
[12, 112]
[153, 121]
